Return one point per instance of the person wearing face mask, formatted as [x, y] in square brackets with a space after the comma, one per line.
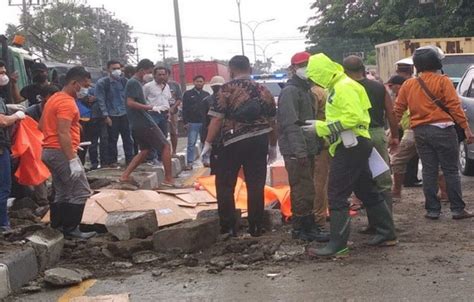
[110, 96]
[6, 121]
[60, 126]
[32, 92]
[145, 131]
[295, 106]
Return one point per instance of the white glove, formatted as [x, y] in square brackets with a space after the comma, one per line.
[272, 154]
[310, 127]
[20, 115]
[76, 168]
[16, 107]
[206, 150]
[160, 108]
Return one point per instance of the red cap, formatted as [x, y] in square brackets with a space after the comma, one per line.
[300, 57]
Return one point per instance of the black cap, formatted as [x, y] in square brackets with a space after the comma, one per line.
[396, 80]
[38, 66]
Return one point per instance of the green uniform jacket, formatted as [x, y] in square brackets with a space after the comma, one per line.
[347, 104]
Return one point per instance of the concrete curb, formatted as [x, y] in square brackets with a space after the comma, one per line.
[21, 268]
[22, 264]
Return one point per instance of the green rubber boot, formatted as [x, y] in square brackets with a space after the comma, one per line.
[384, 226]
[370, 229]
[340, 228]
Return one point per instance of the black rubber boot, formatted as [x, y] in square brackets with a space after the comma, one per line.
[72, 216]
[314, 231]
[383, 223]
[340, 230]
[370, 229]
[302, 229]
[55, 215]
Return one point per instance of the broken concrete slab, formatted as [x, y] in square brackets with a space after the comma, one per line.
[272, 219]
[23, 203]
[126, 225]
[187, 237]
[48, 245]
[126, 249]
[182, 159]
[62, 277]
[121, 264]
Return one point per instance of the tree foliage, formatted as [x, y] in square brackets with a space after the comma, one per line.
[71, 32]
[339, 27]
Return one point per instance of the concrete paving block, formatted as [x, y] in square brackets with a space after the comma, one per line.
[146, 180]
[176, 167]
[187, 237]
[272, 219]
[48, 245]
[128, 225]
[4, 281]
[182, 159]
[22, 267]
[126, 249]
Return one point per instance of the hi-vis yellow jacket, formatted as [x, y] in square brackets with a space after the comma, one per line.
[347, 104]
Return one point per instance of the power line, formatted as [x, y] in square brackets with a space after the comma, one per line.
[219, 38]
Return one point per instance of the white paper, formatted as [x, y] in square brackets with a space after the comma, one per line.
[376, 164]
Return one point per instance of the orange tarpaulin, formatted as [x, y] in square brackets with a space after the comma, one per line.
[281, 194]
[28, 147]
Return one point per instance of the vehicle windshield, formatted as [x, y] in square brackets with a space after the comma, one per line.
[455, 66]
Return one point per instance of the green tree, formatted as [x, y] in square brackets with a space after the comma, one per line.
[71, 32]
[347, 26]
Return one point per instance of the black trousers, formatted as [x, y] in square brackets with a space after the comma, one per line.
[349, 172]
[95, 131]
[251, 154]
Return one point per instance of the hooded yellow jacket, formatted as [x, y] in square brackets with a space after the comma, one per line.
[347, 104]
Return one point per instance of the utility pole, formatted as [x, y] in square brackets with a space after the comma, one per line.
[25, 4]
[240, 25]
[163, 48]
[98, 11]
[136, 49]
[179, 40]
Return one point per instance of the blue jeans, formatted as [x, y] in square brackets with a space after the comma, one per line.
[439, 148]
[5, 184]
[161, 119]
[194, 130]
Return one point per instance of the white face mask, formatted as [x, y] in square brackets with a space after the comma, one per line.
[4, 80]
[148, 78]
[82, 93]
[301, 73]
[116, 73]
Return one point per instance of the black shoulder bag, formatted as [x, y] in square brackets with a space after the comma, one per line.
[434, 99]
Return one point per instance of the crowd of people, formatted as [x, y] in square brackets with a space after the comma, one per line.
[329, 120]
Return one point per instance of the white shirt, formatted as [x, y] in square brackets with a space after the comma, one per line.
[156, 94]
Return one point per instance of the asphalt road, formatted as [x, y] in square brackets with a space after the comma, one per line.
[434, 261]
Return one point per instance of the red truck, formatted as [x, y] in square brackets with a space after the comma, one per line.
[208, 69]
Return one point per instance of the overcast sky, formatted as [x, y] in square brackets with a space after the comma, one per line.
[206, 26]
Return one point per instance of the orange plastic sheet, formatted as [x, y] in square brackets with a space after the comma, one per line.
[28, 147]
[281, 194]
